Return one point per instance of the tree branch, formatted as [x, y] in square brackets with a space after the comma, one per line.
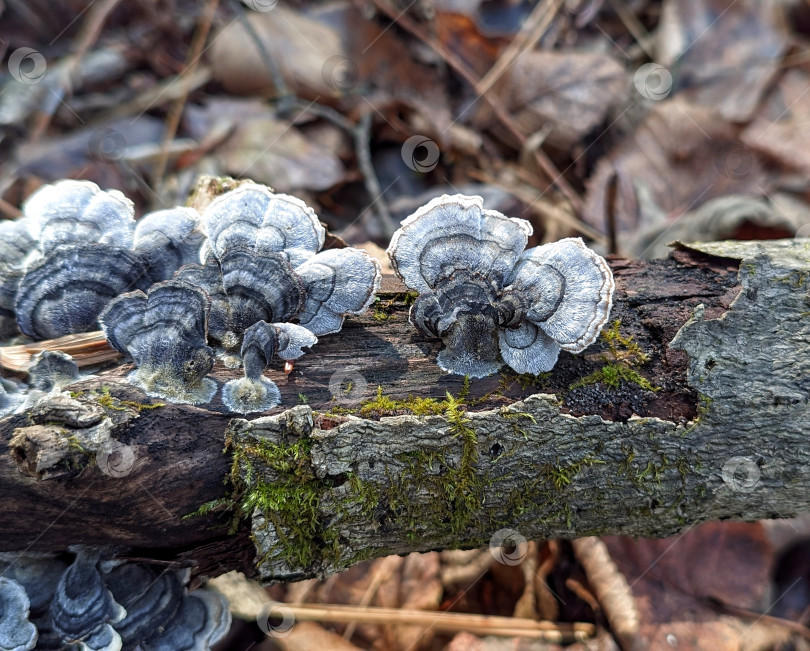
[680, 414]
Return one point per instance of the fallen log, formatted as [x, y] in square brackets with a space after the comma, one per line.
[693, 406]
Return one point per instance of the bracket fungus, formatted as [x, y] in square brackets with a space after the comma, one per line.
[489, 300]
[254, 217]
[267, 246]
[104, 605]
[337, 282]
[151, 598]
[83, 608]
[15, 246]
[69, 212]
[168, 239]
[16, 632]
[65, 290]
[261, 342]
[164, 332]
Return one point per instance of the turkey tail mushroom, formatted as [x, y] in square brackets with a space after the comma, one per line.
[70, 212]
[253, 217]
[487, 299]
[169, 239]
[16, 632]
[83, 607]
[338, 282]
[65, 291]
[164, 332]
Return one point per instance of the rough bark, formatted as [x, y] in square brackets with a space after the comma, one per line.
[725, 344]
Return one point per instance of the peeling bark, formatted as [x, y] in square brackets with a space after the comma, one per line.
[584, 450]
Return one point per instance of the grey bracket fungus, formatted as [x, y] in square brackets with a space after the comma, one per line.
[338, 282]
[83, 607]
[169, 239]
[489, 300]
[267, 247]
[16, 632]
[254, 393]
[104, 605]
[201, 621]
[65, 290]
[253, 217]
[245, 288]
[52, 369]
[150, 596]
[79, 211]
[15, 246]
[164, 331]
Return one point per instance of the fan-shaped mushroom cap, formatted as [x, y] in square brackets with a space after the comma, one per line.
[164, 332]
[259, 287]
[82, 603]
[527, 349]
[202, 620]
[79, 211]
[487, 299]
[16, 632]
[37, 572]
[209, 278]
[52, 369]
[338, 282]
[570, 289]
[15, 242]
[253, 217]
[453, 233]
[169, 239]
[65, 291]
[105, 638]
[150, 597]
[9, 285]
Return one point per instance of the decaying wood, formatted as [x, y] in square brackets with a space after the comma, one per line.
[721, 331]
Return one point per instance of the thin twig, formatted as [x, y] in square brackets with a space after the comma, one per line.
[477, 624]
[88, 35]
[176, 109]
[545, 163]
[284, 96]
[532, 31]
[362, 144]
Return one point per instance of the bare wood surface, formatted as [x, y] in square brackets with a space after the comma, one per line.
[544, 459]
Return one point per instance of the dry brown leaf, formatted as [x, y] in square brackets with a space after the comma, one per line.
[780, 128]
[723, 54]
[674, 579]
[309, 636]
[274, 152]
[573, 91]
[679, 157]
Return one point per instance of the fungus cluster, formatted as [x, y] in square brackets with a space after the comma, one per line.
[491, 301]
[50, 602]
[166, 287]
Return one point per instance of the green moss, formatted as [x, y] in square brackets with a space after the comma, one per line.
[623, 348]
[562, 476]
[611, 375]
[116, 404]
[623, 356]
[382, 405]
